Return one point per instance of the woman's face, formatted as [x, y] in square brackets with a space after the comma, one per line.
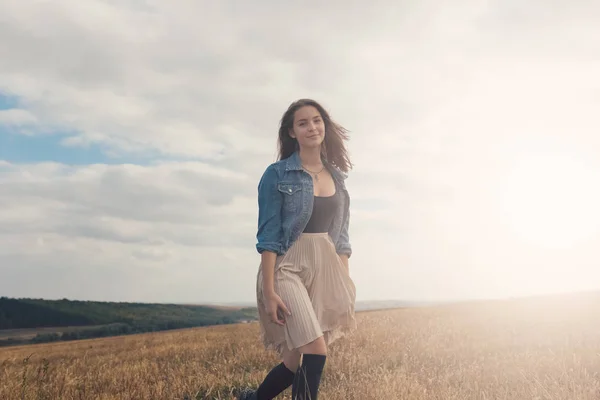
[308, 128]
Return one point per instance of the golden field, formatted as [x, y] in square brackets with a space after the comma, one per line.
[537, 348]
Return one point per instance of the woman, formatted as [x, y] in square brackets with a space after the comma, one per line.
[304, 292]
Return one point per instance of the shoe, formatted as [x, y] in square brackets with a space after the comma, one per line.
[247, 394]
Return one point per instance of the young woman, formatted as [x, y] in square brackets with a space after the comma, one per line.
[304, 291]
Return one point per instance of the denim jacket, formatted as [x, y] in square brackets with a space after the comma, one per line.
[285, 202]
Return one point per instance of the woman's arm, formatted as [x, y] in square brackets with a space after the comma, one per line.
[268, 272]
[269, 226]
[269, 213]
[343, 247]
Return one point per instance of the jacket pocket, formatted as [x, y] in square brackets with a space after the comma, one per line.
[289, 188]
[291, 193]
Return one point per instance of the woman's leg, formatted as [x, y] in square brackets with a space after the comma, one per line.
[291, 359]
[308, 377]
[280, 377]
[315, 347]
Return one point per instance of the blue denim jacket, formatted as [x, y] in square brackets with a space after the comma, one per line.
[285, 202]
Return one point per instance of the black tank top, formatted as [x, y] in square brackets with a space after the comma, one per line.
[324, 209]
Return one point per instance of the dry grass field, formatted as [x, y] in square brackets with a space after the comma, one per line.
[546, 348]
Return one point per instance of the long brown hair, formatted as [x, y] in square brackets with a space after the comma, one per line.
[333, 151]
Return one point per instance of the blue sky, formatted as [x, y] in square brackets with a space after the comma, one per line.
[130, 155]
[21, 148]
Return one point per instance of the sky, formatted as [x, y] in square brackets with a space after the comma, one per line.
[133, 134]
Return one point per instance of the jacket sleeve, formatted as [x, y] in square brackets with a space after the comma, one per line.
[343, 244]
[269, 213]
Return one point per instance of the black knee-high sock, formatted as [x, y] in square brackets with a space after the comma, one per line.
[308, 377]
[276, 381]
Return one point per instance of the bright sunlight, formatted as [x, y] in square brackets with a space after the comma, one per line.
[552, 198]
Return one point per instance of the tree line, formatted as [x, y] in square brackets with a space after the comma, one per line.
[114, 318]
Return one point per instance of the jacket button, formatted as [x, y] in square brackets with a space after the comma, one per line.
[290, 190]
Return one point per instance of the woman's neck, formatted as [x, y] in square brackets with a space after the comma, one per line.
[311, 157]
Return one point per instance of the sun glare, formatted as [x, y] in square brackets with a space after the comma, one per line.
[552, 199]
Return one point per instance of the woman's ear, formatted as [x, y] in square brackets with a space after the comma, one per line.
[291, 133]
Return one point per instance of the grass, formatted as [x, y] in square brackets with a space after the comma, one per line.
[545, 348]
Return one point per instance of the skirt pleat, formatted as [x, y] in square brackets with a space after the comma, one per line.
[315, 286]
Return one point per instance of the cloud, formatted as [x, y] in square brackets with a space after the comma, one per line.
[16, 117]
[438, 99]
[212, 81]
[145, 225]
[122, 202]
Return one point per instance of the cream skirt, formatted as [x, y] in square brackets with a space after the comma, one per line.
[315, 286]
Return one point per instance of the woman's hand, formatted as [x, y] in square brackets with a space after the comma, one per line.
[276, 308]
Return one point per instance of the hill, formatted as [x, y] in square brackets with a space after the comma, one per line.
[85, 319]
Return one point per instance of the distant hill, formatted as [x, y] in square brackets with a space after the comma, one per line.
[97, 319]
[27, 321]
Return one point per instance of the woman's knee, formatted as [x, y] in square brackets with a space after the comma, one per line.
[291, 359]
[317, 346]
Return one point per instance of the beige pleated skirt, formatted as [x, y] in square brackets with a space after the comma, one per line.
[315, 286]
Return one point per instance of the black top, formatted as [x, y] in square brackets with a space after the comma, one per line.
[324, 209]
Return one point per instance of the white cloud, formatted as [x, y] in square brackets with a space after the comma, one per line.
[16, 118]
[176, 219]
[438, 98]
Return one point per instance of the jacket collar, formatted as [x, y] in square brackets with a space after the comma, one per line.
[293, 163]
